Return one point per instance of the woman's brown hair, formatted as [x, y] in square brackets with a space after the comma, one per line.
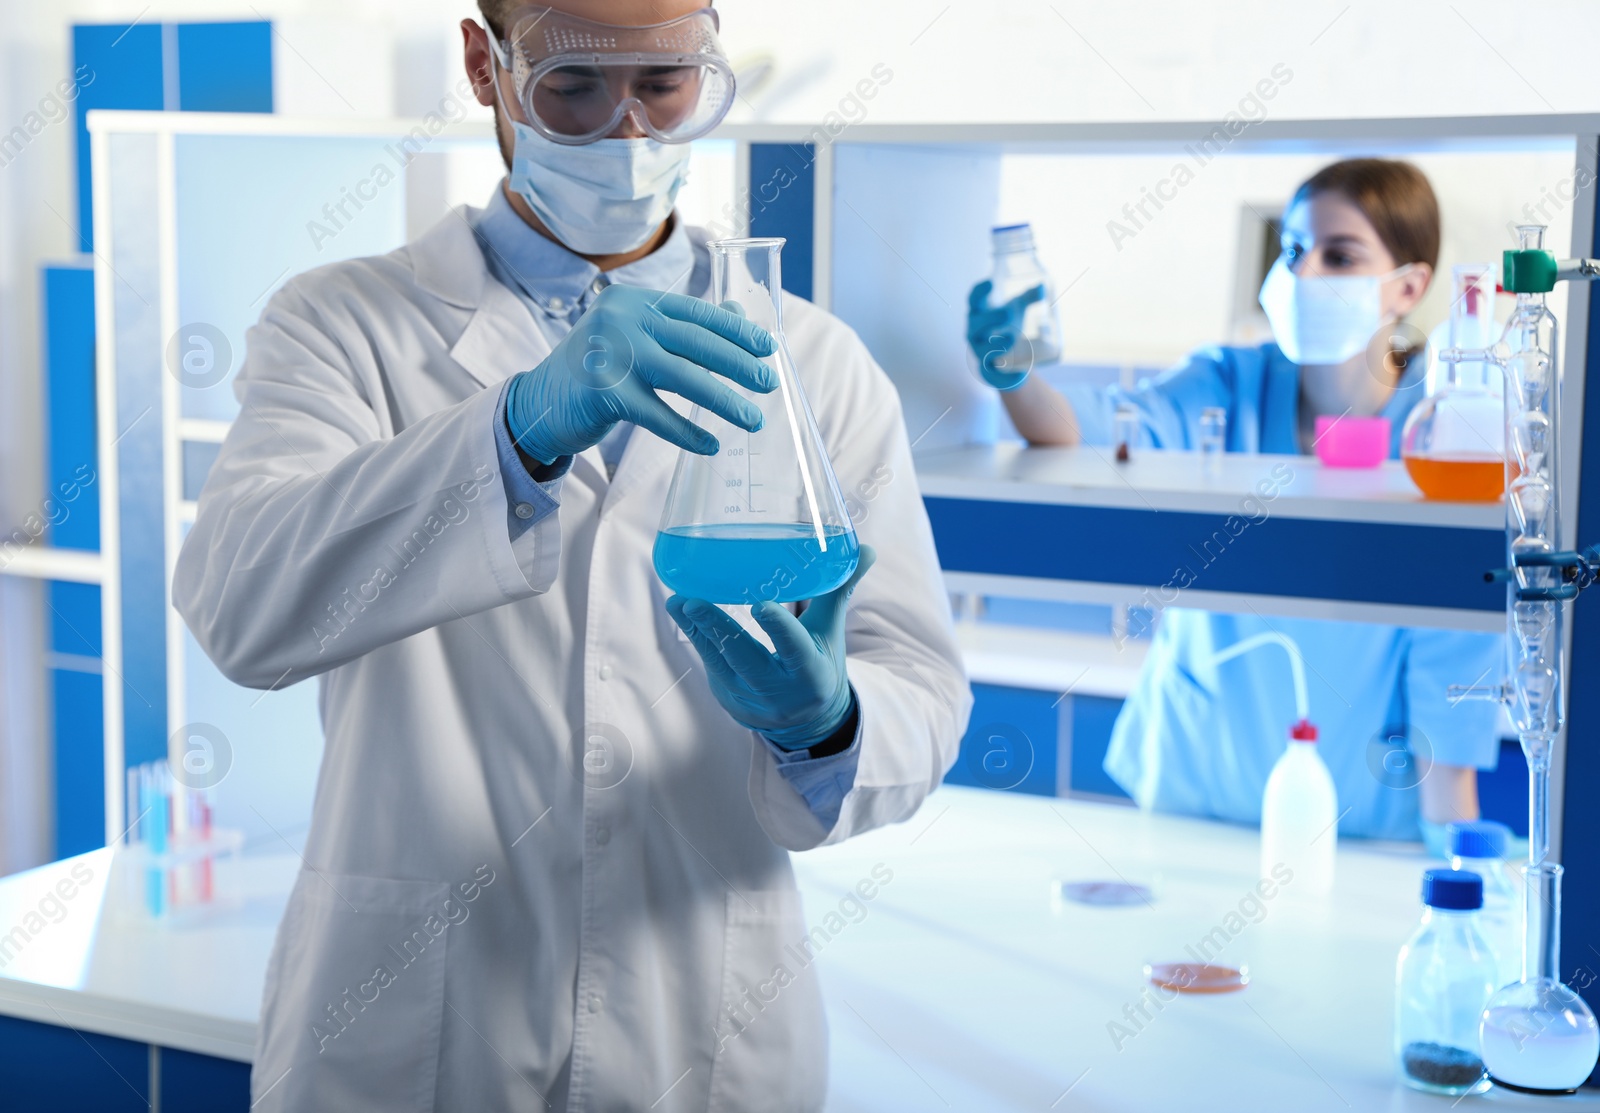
[1394, 196]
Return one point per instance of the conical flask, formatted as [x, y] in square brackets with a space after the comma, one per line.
[763, 518]
[1453, 443]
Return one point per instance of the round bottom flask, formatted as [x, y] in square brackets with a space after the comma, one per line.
[1537, 1035]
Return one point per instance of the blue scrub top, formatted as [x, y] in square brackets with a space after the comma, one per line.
[1199, 738]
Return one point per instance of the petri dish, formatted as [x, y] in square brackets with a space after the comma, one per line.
[1105, 894]
[1197, 977]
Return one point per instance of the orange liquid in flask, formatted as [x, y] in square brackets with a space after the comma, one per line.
[1458, 478]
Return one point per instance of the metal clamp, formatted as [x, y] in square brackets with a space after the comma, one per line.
[1578, 571]
[1569, 269]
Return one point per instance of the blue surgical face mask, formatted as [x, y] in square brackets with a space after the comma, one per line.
[602, 198]
[1324, 320]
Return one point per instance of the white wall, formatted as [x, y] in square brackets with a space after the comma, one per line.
[1169, 288]
[1170, 59]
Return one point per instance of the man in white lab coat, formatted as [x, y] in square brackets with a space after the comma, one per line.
[548, 863]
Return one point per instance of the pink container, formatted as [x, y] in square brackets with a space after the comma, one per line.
[1352, 442]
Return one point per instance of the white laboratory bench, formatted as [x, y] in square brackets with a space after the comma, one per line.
[962, 985]
[194, 986]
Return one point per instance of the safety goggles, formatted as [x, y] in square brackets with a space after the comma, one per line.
[576, 79]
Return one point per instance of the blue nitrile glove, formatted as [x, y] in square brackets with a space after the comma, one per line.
[796, 697]
[992, 331]
[630, 344]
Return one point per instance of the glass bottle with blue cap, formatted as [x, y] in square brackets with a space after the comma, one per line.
[1445, 975]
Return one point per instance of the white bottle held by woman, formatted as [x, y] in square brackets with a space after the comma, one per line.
[1299, 811]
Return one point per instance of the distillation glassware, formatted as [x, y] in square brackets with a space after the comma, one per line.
[1453, 444]
[763, 519]
[1536, 1034]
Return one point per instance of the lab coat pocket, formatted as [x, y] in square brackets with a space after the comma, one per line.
[355, 1000]
[772, 1037]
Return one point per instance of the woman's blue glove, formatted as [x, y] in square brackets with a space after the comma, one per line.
[796, 697]
[992, 331]
[630, 344]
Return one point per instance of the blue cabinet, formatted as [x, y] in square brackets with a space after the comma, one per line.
[1039, 742]
[1011, 742]
[64, 1070]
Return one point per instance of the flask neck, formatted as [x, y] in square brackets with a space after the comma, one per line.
[1541, 951]
[1538, 804]
[749, 273]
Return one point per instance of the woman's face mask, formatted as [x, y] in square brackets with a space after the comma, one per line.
[1324, 319]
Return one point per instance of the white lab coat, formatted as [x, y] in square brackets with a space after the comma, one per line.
[542, 857]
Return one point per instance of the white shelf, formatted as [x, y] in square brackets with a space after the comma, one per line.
[1447, 132]
[43, 563]
[1128, 136]
[1177, 481]
[202, 429]
[1050, 660]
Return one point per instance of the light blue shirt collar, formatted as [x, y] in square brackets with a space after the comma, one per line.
[560, 284]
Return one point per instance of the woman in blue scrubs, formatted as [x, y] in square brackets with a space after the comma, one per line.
[1360, 244]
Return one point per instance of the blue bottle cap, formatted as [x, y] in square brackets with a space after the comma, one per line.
[1455, 890]
[1483, 839]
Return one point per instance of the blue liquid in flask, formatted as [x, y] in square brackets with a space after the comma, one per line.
[740, 563]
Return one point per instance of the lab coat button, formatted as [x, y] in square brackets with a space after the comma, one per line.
[557, 304]
[602, 835]
[605, 672]
[594, 1004]
[523, 511]
[598, 285]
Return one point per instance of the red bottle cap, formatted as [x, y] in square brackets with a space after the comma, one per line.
[1303, 731]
